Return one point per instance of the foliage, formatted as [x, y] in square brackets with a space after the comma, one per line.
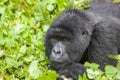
[110, 72]
[23, 24]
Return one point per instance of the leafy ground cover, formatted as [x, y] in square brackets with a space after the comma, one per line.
[23, 24]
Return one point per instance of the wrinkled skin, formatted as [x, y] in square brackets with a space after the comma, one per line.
[79, 36]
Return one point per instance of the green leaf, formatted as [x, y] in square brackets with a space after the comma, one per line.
[50, 7]
[45, 28]
[10, 42]
[118, 74]
[13, 62]
[93, 66]
[35, 41]
[2, 9]
[34, 70]
[110, 71]
[92, 74]
[50, 75]
[39, 16]
[42, 57]
[83, 78]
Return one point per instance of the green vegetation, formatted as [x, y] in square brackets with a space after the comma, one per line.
[23, 24]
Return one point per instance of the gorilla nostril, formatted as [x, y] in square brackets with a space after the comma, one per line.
[57, 51]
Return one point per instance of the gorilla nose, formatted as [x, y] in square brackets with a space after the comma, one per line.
[56, 55]
[56, 51]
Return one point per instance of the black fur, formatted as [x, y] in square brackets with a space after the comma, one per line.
[90, 35]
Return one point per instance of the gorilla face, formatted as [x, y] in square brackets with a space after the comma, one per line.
[68, 37]
[58, 52]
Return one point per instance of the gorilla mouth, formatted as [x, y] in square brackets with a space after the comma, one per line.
[58, 61]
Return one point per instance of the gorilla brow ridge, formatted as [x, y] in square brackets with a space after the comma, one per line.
[60, 32]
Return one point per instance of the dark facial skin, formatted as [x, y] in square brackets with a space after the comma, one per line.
[58, 53]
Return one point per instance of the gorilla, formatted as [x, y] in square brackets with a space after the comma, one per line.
[78, 36]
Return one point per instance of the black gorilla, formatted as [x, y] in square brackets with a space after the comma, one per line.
[78, 36]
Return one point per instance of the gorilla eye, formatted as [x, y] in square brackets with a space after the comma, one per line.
[64, 39]
[84, 34]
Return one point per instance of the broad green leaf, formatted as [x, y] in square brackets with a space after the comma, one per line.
[110, 71]
[92, 74]
[13, 62]
[93, 66]
[34, 70]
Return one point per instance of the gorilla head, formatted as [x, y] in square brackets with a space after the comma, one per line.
[68, 37]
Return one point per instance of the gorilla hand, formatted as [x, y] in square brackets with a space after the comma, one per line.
[72, 72]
